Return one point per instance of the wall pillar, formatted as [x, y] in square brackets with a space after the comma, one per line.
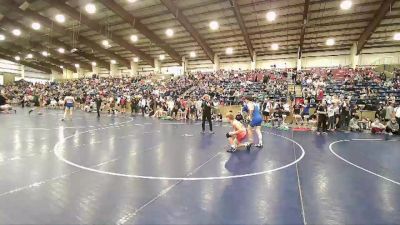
[253, 64]
[113, 70]
[216, 62]
[55, 75]
[22, 71]
[298, 64]
[134, 68]
[157, 66]
[67, 74]
[353, 56]
[95, 70]
[184, 65]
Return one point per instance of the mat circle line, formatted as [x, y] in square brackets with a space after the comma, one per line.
[58, 152]
[355, 165]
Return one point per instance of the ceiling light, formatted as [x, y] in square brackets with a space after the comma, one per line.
[94, 63]
[345, 5]
[36, 26]
[192, 54]
[396, 36]
[16, 32]
[271, 16]
[74, 50]
[60, 18]
[44, 53]
[17, 58]
[90, 8]
[275, 46]
[136, 59]
[29, 56]
[113, 61]
[162, 57]
[2, 37]
[61, 67]
[169, 32]
[61, 50]
[131, 1]
[229, 51]
[330, 41]
[76, 65]
[214, 25]
[105, 43]
[134, 38]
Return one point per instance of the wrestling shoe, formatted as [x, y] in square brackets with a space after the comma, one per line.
[231, 150]
[258, 145]
[248, 146]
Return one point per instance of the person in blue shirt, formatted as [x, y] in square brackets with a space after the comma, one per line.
[255, 118]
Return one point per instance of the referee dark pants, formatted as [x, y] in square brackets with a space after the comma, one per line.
[98, 110]
[206, 116]
[321, 125]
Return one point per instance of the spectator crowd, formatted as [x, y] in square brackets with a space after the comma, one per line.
[317, 99]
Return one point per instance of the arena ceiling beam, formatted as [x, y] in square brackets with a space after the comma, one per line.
[95, 26]
[303, 28]
[36, 45]
[136, 24]
[6, 54]
[13, 8]
[172, 8]
[38, 55]
[243, 28]
[373, 24]
[60, 44]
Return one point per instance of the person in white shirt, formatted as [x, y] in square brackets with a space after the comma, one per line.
[377, 127]
[170, 105]
[397, 113]
[331, 117]
[286, 111]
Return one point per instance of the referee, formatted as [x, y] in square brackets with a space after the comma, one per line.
[206, 106]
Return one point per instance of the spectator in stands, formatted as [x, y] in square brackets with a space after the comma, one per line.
[392, 127]
[4, 107]
[389, 112]
[266, 109]
[353, 124]
[377, 127]
[344, 117]
[380, 113]
[397, 113]
[322, 118]
[297, 114]
[331, 117]
[305, 114]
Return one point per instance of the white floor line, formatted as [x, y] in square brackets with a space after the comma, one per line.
[299, 186]
[58, 153]
[367, 139]
[357, 166]
[163, 192]
[39, 183]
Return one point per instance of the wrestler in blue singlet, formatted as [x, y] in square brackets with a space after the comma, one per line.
[256, 117]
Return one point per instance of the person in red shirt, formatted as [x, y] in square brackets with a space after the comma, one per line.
[320, 95]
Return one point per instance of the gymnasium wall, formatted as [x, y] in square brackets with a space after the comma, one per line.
[371, 56]
[11, 71]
